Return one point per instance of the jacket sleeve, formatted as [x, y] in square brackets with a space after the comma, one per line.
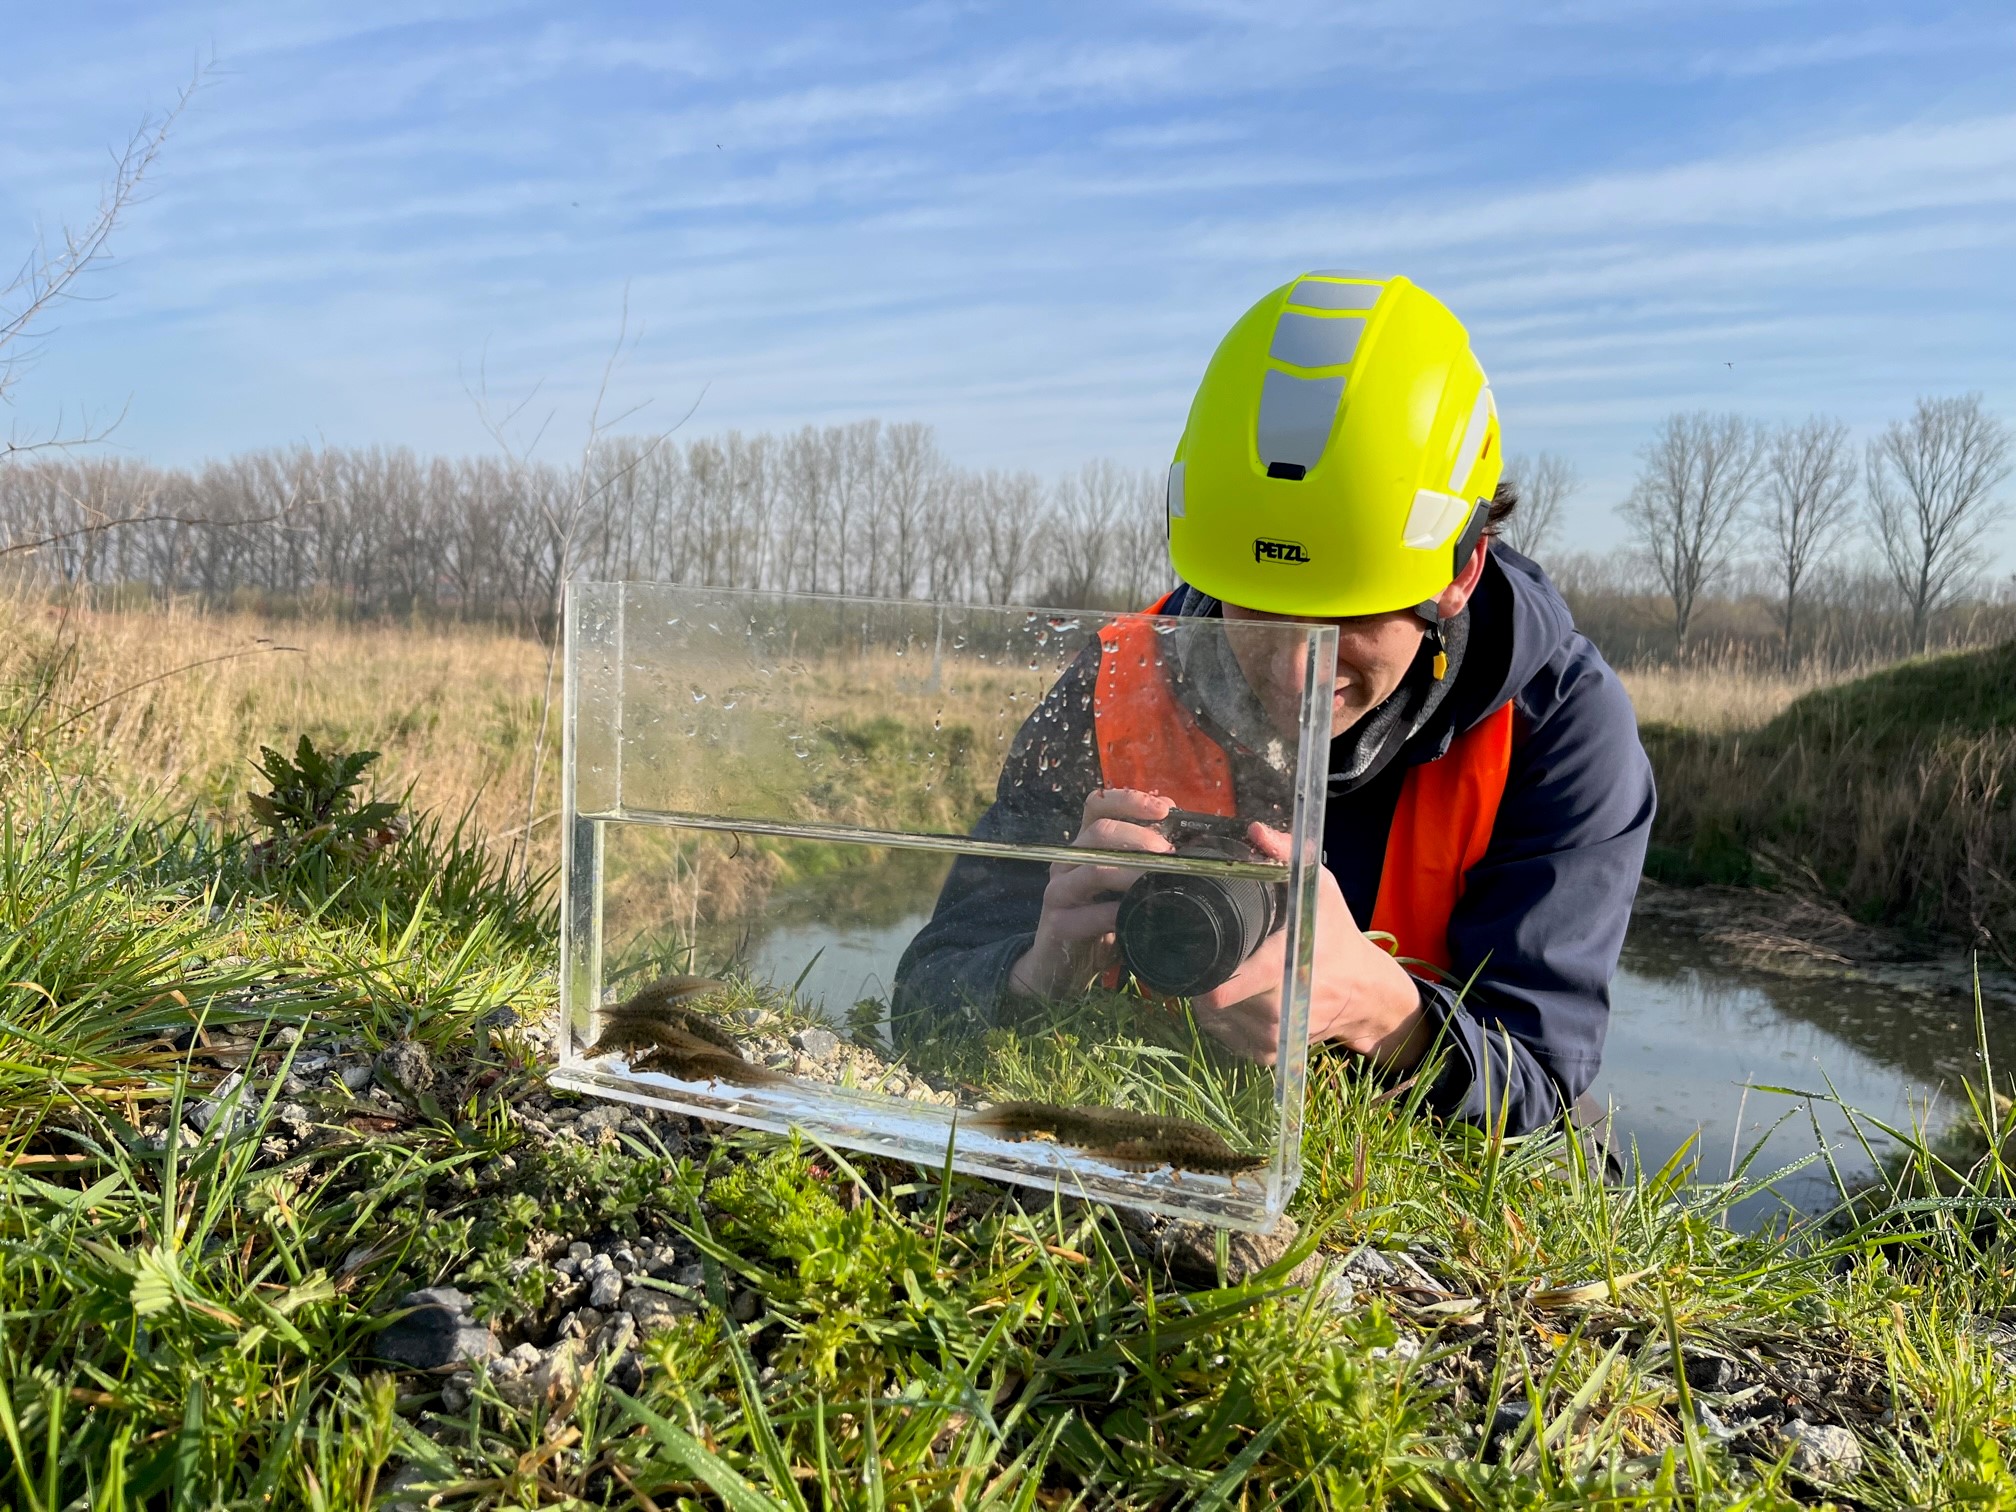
[1539, 928]
[987, 911]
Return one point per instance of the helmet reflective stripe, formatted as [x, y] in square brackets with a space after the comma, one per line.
[1176, 490]
[1473, 439]
[1434, 518]
[1295, 417]
[1314, 294]
[1315, 341]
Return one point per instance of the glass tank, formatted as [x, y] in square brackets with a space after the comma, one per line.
[1027, 891]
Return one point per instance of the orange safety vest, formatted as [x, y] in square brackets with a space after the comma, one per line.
[1441, 825]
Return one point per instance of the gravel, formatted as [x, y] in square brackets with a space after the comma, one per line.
[654, 1309]
[404, 1066]
[1506, 1420]
[1189, 1251]
[601, 1123]
[440, 1329]
[233, 1105]
[821, 1044]
[1823, 1452]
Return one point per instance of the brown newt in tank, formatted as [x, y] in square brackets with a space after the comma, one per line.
[1141, 1141]
[657, 1032]
[668, 1001]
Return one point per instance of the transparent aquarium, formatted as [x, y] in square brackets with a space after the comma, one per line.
[1027, 891]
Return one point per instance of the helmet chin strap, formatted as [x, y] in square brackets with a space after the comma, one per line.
[1432, 613]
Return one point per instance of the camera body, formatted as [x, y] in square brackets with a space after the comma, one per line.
[1181, 934]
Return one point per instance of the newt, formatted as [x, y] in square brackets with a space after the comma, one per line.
[1122, 1136]
[657, 1032]
[666, 1001]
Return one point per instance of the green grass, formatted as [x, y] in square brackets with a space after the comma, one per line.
[1112, 1051]
[190, 1325]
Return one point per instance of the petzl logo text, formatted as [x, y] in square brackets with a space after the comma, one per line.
[1265, 550]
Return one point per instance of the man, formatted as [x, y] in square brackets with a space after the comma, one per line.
[1488, 800]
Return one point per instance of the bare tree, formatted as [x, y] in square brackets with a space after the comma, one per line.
[50, 272]
[1545, 482]
[1808, 476]
[1931, 484]
[1686, 510]
[914, 482]
[1090, 514]
[1007, 508]
[1141, 572]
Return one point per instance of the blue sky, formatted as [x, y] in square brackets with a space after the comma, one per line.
[1024, 223]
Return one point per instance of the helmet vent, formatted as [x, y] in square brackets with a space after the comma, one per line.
[1294, 472]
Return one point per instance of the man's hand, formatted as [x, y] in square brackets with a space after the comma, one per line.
[1081, 905]
[1362, 998]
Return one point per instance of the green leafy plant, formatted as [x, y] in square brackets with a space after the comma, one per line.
[314, 806]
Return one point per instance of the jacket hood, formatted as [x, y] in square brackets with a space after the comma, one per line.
[1518, 624]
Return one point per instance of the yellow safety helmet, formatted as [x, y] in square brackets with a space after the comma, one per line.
[1340, 455]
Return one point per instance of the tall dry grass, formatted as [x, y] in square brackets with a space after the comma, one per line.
[1722, 699]
[140, 703]
[454, 709]
[1893, 793]
[174, 704]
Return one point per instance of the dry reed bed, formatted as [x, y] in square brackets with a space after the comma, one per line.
[175, 703]
[454, 709]
[1720, 698]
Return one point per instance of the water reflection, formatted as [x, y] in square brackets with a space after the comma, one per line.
[1686, 1040]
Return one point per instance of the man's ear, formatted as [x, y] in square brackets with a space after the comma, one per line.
[1450, 601]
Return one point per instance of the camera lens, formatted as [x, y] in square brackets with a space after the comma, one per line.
[1184, 935]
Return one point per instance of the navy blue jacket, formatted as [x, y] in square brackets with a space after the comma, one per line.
[1542, 916]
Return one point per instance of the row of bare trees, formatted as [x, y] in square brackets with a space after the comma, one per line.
[866, 508]
[1856, 552]
[1919, 501]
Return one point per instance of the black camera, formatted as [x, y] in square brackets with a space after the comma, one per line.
[1182, 934]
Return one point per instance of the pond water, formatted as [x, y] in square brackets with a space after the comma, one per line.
[1690, 1042]
[1690, 1045]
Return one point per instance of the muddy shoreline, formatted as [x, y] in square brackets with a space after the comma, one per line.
[1788, 935]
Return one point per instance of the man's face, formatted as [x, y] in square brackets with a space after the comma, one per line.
[1374, 652]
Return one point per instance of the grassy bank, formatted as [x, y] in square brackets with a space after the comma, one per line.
[1891, 793]
[200, 1284]
[255, 1097]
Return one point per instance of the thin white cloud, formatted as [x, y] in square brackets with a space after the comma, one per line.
[1824, 181]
